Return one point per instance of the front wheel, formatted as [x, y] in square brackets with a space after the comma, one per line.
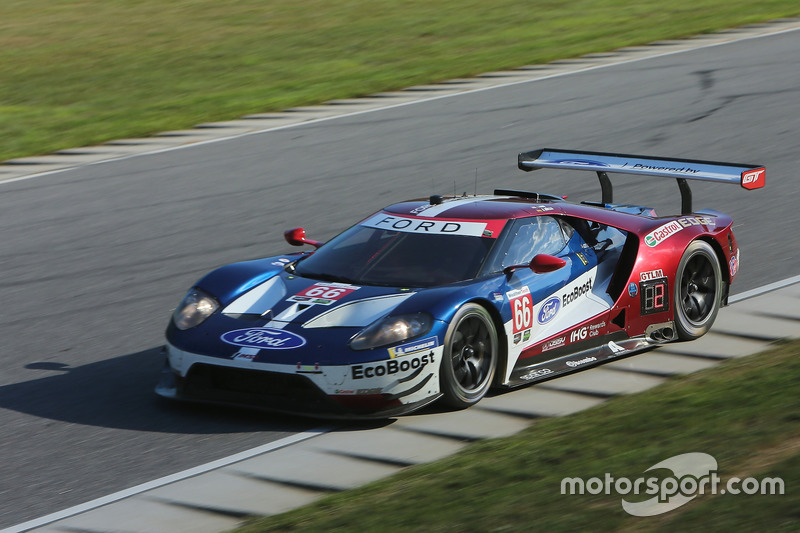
[698, 291]
[470, 357]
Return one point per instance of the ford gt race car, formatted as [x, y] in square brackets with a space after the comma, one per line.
[443, 298]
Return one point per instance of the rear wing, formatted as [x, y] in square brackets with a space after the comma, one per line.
[748, 176]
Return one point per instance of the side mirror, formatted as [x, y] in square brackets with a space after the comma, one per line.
[543, 263]
[540, 264]
[297, 237]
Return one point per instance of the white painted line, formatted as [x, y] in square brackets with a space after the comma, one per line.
[579, 69]
[763, 290]
[144, 487]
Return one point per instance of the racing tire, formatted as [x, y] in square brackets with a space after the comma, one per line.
[470, 357]
[698, 291]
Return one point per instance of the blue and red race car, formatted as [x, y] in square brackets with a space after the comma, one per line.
[446, 297]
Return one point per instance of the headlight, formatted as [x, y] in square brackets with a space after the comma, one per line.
[391, 330]
[194, 309]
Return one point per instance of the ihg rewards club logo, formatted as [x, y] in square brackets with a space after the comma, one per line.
[693, 474]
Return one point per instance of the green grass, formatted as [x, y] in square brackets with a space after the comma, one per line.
[76, 73]
[745, 413]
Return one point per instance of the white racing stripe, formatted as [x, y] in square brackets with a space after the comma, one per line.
[258, 299]
[433, 210]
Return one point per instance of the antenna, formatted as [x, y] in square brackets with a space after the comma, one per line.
[476, 182]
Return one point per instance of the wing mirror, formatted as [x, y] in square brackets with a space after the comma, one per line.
[297, 237]
[540, 264]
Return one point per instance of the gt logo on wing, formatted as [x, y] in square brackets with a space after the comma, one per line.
[754, 179]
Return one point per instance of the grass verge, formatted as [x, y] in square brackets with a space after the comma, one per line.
[80, 73]
[745, 413]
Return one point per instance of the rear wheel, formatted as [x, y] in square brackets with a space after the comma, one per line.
[698, 291]
[470, 357]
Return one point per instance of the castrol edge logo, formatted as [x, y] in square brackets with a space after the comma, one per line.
[662, 233]
[754, 179]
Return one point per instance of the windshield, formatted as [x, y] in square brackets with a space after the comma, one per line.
[373, 256]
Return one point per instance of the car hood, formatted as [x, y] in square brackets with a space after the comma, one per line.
[262, 293]
[286, 298]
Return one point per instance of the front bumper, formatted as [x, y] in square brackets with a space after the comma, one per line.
[373, 390]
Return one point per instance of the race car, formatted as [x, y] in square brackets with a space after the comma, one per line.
[443, 298]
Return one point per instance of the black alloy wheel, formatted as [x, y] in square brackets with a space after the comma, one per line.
[698, 291]
[470, 357]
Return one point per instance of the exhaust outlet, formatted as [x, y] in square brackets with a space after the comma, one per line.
[660, 333]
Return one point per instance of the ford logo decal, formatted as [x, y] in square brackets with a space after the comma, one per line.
[263, 338]
[549, 310]
[580, 162]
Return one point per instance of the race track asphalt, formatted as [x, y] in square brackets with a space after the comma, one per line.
[95, 258]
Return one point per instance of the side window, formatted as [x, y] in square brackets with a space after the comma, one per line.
[531, 236]
[602, 237]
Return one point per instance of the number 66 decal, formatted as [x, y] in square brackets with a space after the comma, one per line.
[521, 308]
[323, 293]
